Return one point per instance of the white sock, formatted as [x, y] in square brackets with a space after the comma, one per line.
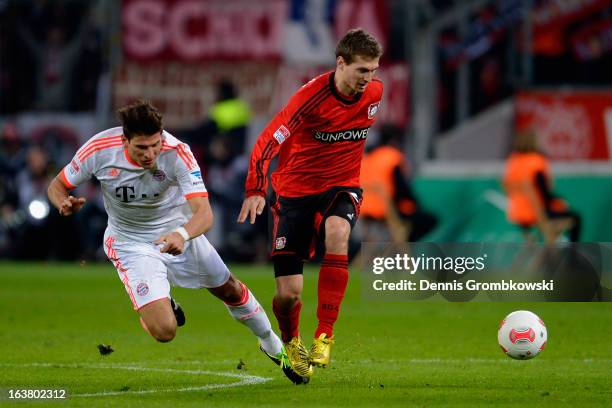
[272, 344]
[251, 314]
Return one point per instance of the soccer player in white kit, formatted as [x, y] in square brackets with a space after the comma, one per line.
[158, 211]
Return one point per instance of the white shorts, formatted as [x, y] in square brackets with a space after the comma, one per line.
[147, 274]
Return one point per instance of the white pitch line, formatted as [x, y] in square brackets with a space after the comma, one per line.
[245, 379]
[501, 359]
[411, 361]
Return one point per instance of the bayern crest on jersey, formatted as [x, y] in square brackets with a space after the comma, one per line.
[142, 289]
[373, 110]
[159, 175]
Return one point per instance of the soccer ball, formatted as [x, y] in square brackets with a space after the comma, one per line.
[522, 335]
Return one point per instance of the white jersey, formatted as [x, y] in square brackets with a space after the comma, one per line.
[142, 204]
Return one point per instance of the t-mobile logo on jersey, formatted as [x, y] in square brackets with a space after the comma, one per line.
[352, 135]
[127, 194]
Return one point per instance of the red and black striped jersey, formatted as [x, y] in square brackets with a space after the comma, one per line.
[319, 137]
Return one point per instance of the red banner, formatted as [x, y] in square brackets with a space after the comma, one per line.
[569, 125]
[194, 30]
[185, 92]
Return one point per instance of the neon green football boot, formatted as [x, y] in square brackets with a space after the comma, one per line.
[282, 359]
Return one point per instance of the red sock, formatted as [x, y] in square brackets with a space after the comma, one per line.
[288, 321]
[333, 278]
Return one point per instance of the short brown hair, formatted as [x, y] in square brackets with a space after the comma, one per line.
[355, 42]
[525, 142]
[140, 118]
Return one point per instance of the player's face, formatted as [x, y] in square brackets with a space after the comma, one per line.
[143, 149]
[359, 73]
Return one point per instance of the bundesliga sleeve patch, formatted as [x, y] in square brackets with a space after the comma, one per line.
[281, 134]
[196, 178]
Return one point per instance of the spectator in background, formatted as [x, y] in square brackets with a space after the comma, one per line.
[62, 45]
[12, 160]
[16, 64]
[87, 72]
[7, 68]
[55, 58]
[12, 155]
[489, 88]
[219, 142]
[224, 129]
[389, 203]
[230, 116]
[33, 179]
[228, 166]
[43, 234]
[225, 183]
[531, 202]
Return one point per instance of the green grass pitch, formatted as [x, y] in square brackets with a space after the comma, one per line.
[53, 316]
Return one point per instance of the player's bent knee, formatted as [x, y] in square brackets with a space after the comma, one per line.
[337, 231]
[287, 295]
[165, 337]
[163, 333]
[285, 302]
[288, 290]
[158, 320]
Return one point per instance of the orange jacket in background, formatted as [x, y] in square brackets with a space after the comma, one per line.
[521, 168]
[378, 182]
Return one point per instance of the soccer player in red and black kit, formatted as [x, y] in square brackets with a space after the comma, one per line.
[319, 137]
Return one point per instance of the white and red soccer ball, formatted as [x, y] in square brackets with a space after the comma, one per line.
[522, 335]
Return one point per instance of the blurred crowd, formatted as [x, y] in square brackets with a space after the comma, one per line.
[29, 227]
[53, 54]
[563, 49]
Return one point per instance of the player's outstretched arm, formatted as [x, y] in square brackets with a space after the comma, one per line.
[59, 196]
[251, 207]
[200, 222]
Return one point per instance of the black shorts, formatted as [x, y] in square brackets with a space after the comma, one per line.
[297, 223]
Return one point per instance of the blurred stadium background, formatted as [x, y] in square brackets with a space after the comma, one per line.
[461, 79]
